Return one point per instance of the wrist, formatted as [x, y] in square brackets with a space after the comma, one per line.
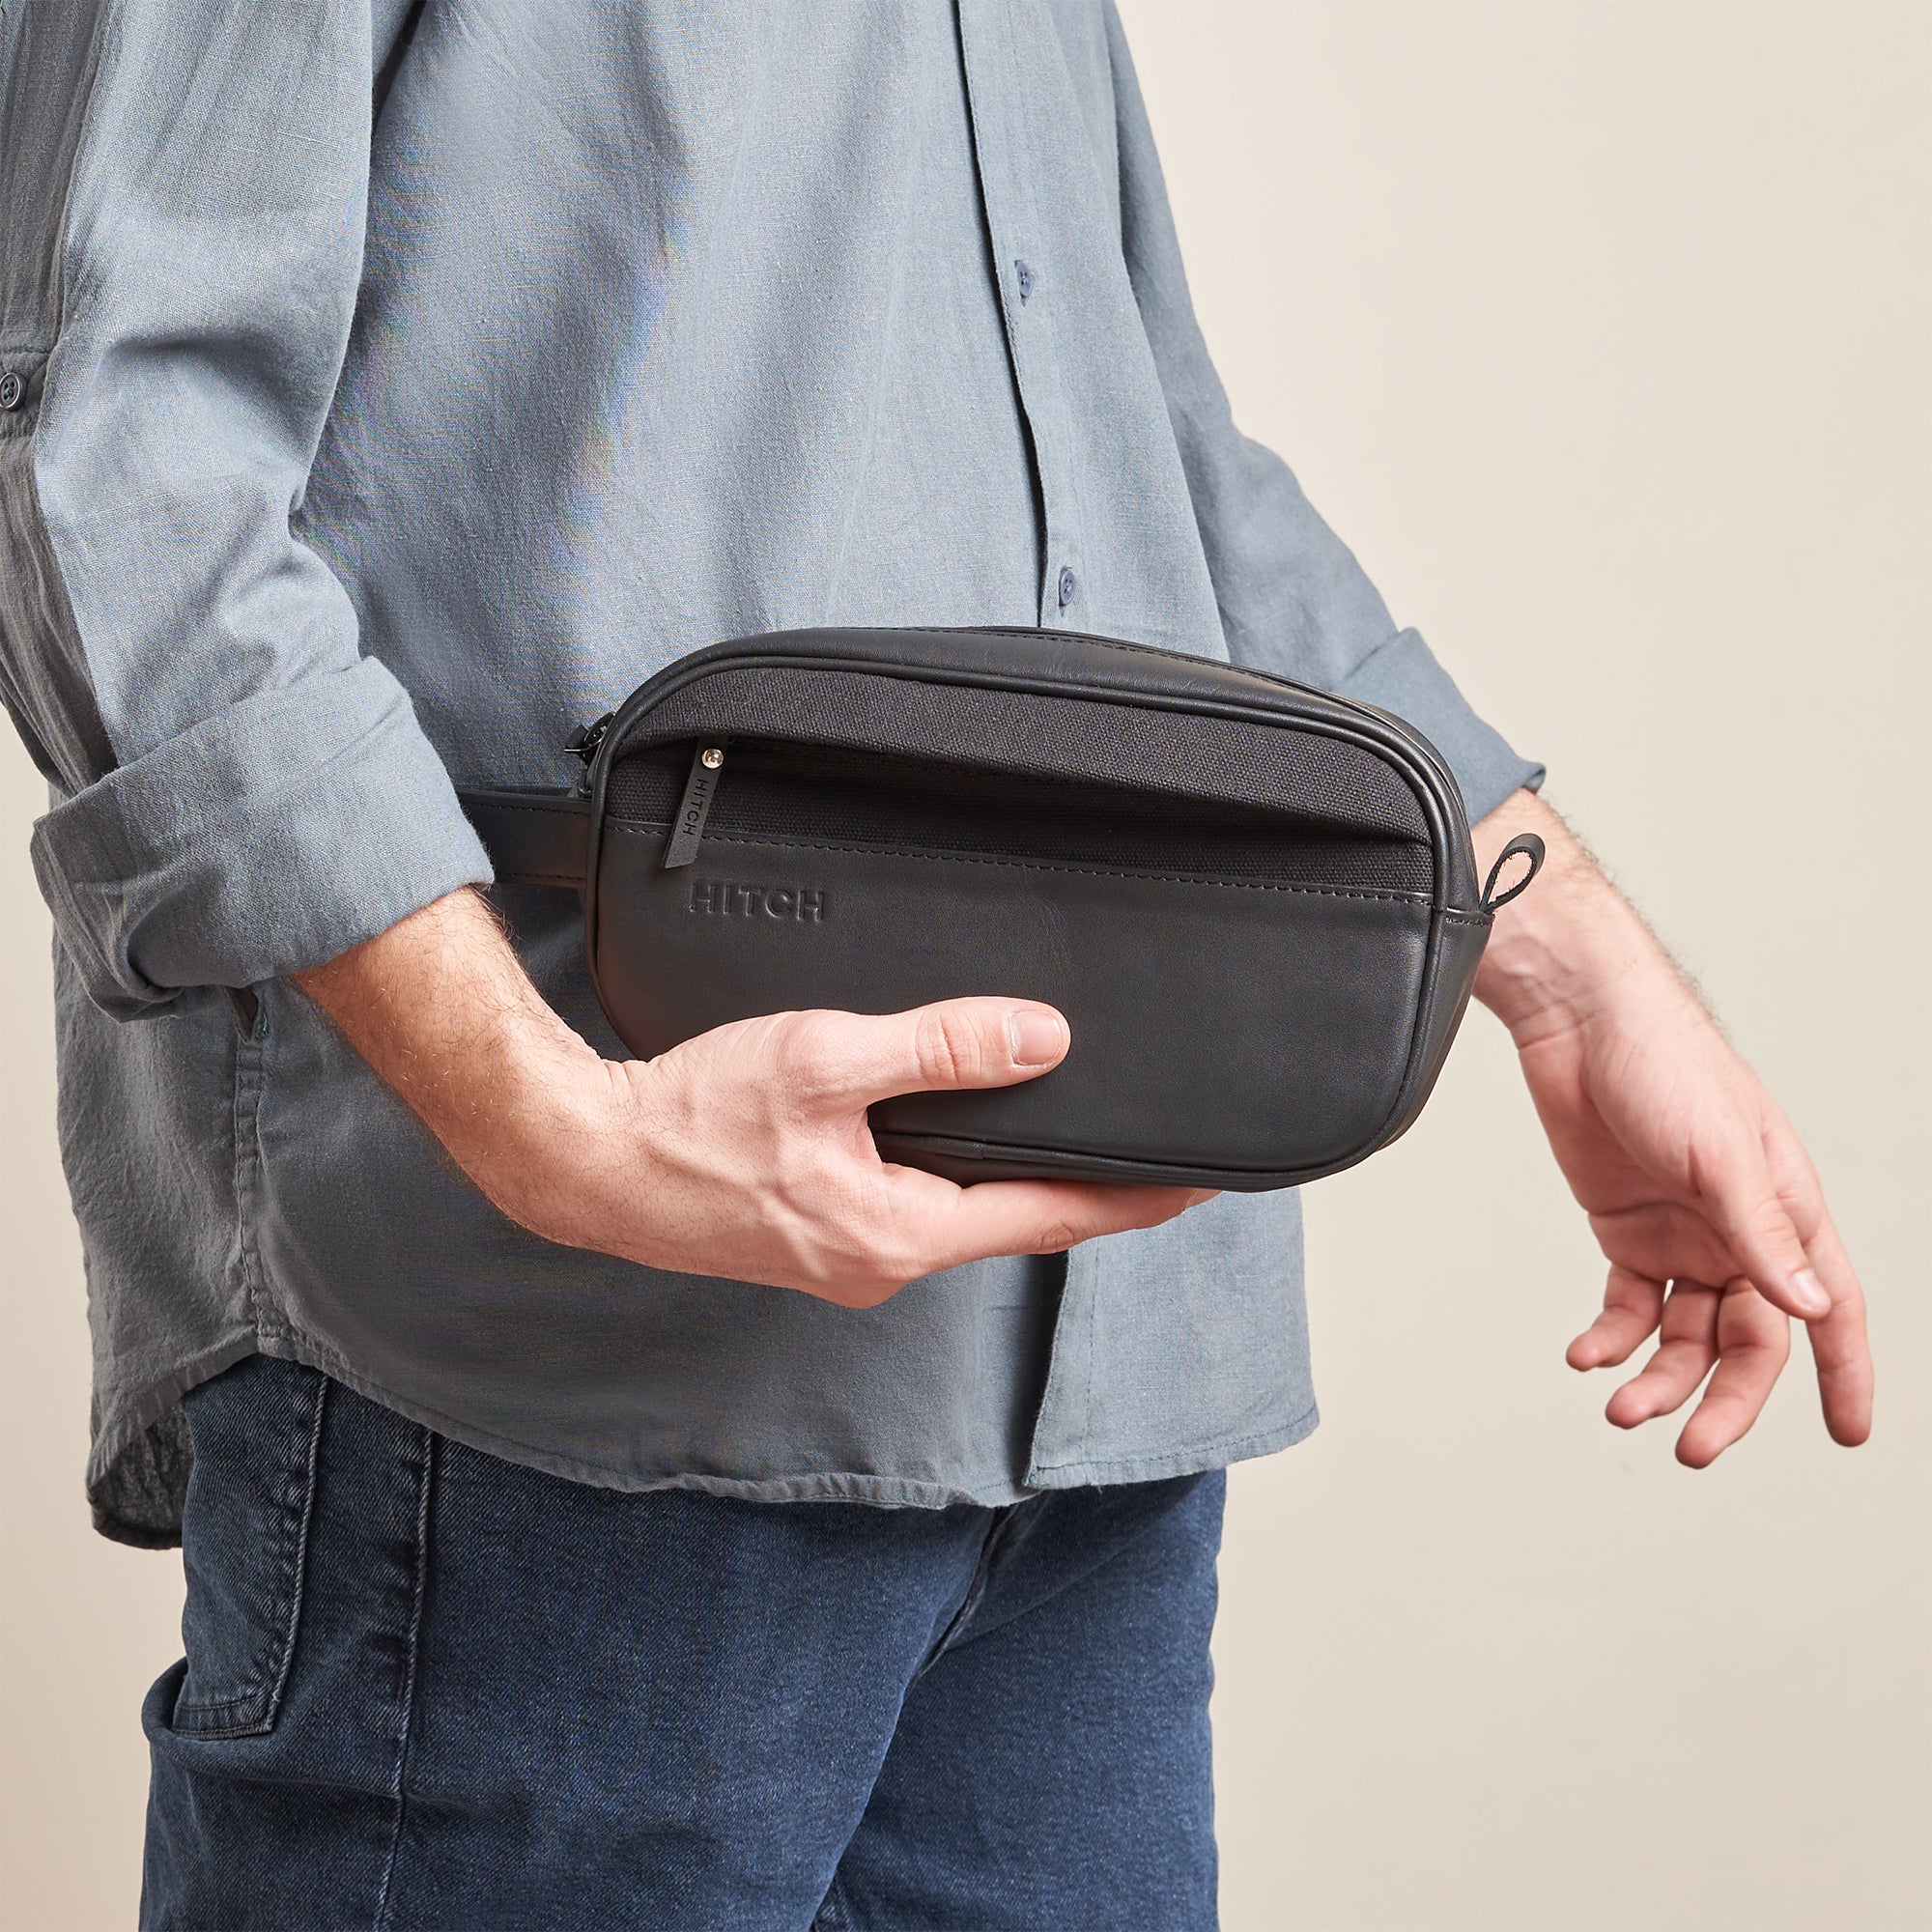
[1569, 941]
[440, 1007]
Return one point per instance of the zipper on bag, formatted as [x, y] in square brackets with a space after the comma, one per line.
[582, 743]
[687, 829]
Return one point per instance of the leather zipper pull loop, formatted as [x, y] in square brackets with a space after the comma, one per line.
[686, 830]
[1525, 845]
[582, 743]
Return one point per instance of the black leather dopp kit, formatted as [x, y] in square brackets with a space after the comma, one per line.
[1256, 903]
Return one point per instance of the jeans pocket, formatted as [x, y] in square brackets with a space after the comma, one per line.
[257, 1436]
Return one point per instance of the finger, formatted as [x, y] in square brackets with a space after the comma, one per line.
[1633, 1306]
[1840, 1346]
[847, 1061]
[1030, 1217]
[1686, 1349]
[1744, 1204]
[1664, 1240]
[1753, 1346]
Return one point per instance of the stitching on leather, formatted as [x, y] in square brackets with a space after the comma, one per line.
[1035, 866]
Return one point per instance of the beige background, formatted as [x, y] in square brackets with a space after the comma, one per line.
[1601, 333]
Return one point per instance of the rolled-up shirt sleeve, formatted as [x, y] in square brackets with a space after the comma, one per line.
[1293, 600]
[239, 793]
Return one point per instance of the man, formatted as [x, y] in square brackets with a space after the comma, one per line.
[618, 1498]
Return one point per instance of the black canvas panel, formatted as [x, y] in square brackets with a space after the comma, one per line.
[1023, 733]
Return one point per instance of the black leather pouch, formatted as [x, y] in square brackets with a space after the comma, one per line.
[1255, 903]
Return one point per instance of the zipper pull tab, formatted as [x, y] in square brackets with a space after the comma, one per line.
[586, 738]
[695, 806]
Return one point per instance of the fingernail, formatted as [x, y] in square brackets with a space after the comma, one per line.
[1808, 1293]
[1038, 1039]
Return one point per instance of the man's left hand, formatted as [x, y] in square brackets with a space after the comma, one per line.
[1697, 1187]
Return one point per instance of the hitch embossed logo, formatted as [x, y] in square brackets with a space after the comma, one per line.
[738, 898]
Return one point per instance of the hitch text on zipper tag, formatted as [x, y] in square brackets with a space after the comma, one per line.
[687, 829]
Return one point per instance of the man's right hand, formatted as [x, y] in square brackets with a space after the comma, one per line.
[743, 1152]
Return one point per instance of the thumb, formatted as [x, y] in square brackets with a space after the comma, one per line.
[859, 1058]
[1764, 1241]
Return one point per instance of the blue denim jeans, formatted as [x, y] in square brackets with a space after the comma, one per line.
[427, 1688]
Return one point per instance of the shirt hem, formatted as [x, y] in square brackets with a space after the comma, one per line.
[161, 1393]
[1215, 1455]
[863, 1487]
[815, 1486]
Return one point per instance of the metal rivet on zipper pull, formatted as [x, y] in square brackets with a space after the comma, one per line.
[694, 807]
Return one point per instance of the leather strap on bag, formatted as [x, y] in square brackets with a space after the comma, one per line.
[533, 837]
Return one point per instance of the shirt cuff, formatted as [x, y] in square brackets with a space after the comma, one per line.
[1402, 677]
[265, 840]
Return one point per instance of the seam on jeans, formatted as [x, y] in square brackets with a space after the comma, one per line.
[312, 1483]
[250, 1056]
[999, 1532]
[258, 1701]
[406, 1730]
[834, 1911]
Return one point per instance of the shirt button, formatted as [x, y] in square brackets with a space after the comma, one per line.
[13, 390]
[1023, 275]
[1068, 585]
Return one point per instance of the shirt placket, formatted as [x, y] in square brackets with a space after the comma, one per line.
[1003, 97]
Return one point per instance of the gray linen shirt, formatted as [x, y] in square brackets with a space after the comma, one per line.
[386, 388]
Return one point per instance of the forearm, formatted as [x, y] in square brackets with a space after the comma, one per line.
[441, 1008]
